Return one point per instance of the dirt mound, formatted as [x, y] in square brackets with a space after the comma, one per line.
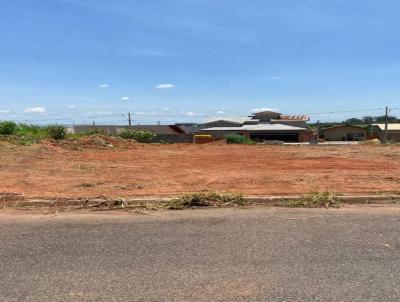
[88, 142]
[374, 141]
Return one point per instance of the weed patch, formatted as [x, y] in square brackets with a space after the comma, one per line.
[57, 132]
[206, 199]
[141, 136]
[325, 199]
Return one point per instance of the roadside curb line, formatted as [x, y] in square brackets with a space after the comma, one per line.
[18, 201]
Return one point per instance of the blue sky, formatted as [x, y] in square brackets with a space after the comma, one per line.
[180, 60]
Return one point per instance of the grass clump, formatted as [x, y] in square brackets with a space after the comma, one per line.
[206, 199]
[141, 136]
[27, 134]
[238, 139]
[57, 132]
[327, 199]
[23, 134]
[8, 128]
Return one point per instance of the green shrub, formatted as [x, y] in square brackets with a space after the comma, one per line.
[238, 139]
[8, 128]
[57, 132]
[141, 136]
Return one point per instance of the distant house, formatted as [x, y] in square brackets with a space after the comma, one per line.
[345, 133]
[393, 132]
[262, 126]
[278, 118]
[264, 132]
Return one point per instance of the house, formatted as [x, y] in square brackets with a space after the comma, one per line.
[393, 132]
[262, 126]
[278, 118]
[345, 133]
[264, 132]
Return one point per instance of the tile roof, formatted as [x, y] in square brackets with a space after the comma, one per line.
[342, 126]
[294, 117]
[258, 127]
[233, 119]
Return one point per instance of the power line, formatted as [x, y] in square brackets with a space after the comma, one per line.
[104, 116]
[346, 111]
[183, 115]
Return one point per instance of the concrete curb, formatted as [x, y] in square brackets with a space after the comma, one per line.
[18, 201]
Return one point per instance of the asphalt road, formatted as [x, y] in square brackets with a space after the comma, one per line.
[262, 254]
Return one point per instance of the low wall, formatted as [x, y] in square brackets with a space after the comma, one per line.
[173, 138]
[306, 136]
[393, 136]
[83, 129]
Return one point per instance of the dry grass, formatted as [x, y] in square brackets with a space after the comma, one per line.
[206, 199]
[327, 199]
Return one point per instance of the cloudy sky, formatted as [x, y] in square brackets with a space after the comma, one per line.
[179, 60]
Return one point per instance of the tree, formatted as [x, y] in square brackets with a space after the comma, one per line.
[368, 119]
[353, 120]
[382, 119]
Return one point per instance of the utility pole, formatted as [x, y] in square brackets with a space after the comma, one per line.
[385, 139]
[318, 132]
[129, 119]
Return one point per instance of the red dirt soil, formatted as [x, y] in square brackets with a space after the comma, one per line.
[163, 170]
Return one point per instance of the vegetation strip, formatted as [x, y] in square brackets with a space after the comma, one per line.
[197, 200]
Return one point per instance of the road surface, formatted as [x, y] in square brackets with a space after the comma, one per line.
[259, 254]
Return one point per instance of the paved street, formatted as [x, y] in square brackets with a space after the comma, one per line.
[259, 254]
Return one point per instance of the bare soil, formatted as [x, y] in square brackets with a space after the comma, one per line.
[118, 169]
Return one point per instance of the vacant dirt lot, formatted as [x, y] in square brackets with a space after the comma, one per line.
[164, 170]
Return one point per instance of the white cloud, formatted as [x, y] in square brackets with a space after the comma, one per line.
[166, 109]
[220, 112]
[71, 107]
[165, 86]
[5, 111]
[264, 109]
[104, 85]
[189, 113]
[272, 79]
[35, 110]
[125, 98]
